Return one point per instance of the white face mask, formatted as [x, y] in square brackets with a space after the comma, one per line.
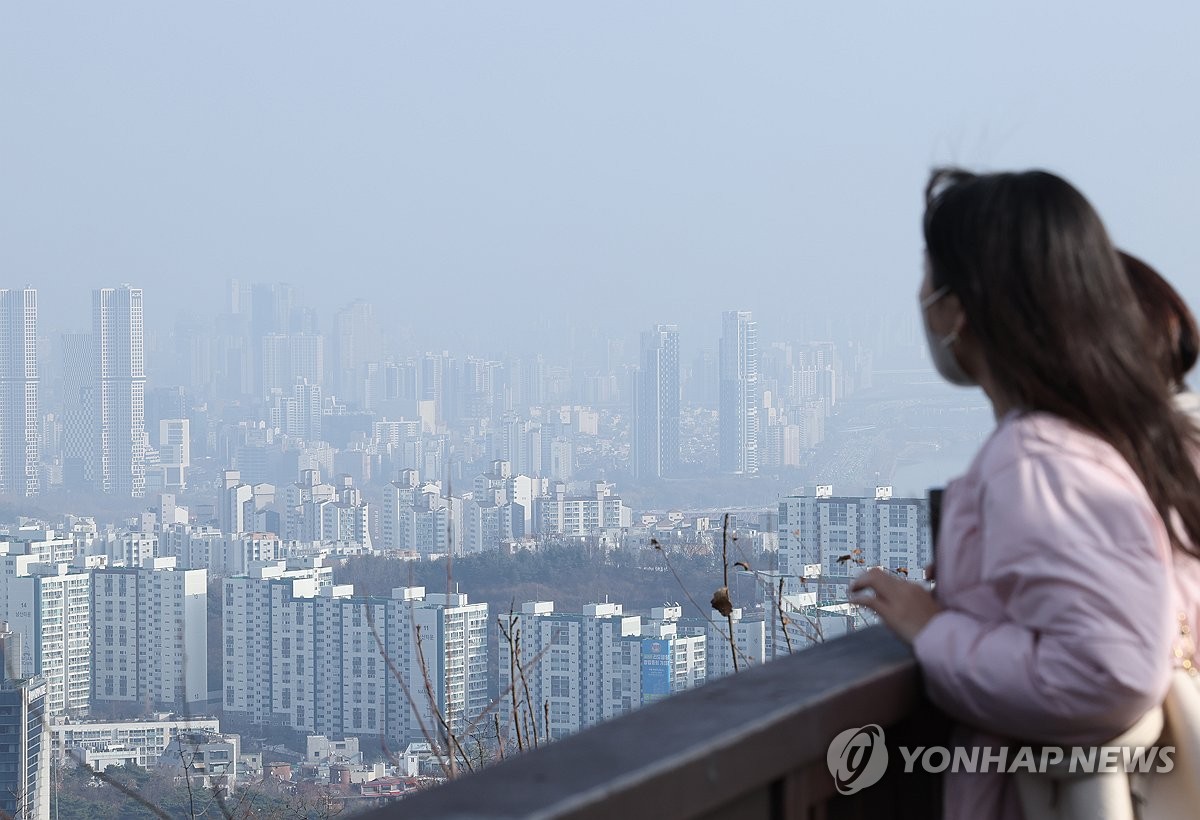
[942, 350]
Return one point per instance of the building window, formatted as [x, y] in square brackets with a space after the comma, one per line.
[560, 686]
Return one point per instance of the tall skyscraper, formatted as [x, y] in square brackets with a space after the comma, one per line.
[355, 342]
[19, 462]
[119, 395]
[656, 405]
[78, 453]
[270, 313]
[739, 392]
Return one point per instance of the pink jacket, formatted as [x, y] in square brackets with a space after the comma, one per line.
[1055, 573]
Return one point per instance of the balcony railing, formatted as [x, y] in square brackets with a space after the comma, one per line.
[751, 745]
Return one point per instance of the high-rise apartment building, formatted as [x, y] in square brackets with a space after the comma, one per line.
[119, 393]
[174, 452]
[355, 343]
[584, 668]
[50, 606]
[291, 358]
[558, 514]
[748, 646]
[149, 641]
[78, 445]
[308, 656]
[842, 533]
[19, 459]
[656, 405]
[739, 387]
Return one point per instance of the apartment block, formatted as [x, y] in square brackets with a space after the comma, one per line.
[840, 534]
[315, 657]
[49, 605]
[584, 668]
[150, 644]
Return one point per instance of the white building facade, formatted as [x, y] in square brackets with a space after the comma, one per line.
[20, 464]
[119, 393]
[315, 657]
[150, 639]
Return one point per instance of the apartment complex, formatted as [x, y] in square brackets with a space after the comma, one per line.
[838, 534]
[303, 653]
[150, 645]
[579, 669]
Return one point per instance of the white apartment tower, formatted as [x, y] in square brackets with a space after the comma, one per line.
[175, 452]
[307, 655]
[19, 461]
[355, 343]
[19, 464]
[843, 533]
[119, 394]
[584, 668]
[50, 605]
[749, 644]
[656, 405]
[149, 641]
[739, 387]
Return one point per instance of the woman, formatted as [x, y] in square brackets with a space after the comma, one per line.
[1053, 621]
[1174, 337]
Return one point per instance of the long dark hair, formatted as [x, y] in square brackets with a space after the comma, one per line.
[1174, 336]
[1058, 324]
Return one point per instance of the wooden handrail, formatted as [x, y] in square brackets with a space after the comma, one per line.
[747, 745]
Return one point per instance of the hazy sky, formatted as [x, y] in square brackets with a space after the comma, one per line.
[614, 163]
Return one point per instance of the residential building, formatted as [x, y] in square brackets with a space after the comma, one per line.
[316, 658]
[655, 437]
[50, 606]
[558, 514]
[739, 393]
[584, 668]
[749, 644]
[149, 641]
[174, 452]
[831, 536]
[20, 463]
[78, 391]
[119, 393]
[48, 546]
[355, 343]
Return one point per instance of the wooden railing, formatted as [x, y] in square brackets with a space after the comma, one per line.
[751, 745]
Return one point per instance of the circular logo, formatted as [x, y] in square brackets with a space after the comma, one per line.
[857, 758]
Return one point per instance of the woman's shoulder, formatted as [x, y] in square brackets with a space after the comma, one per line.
[1042, 474]
[1046, 443]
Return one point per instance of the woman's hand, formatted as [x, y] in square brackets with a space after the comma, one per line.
[903, 605]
